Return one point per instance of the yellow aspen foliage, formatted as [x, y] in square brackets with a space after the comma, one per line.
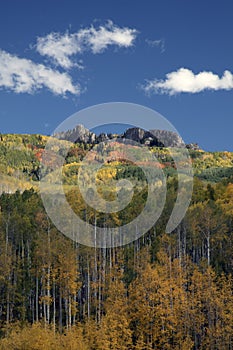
[114, 331]
[34, 337]
[73, 339]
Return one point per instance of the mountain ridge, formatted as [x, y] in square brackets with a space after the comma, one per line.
[154, 137]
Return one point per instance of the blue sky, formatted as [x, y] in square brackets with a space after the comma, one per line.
[169, 55]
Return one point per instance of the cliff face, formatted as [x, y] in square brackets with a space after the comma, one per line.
[135, 134]
[168, 138]
[77, 135]
[158, 138]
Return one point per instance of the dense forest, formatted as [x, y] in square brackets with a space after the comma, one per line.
[162, 291]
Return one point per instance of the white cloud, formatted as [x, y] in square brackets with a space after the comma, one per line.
[184, 80]
[157, 43]
[24, 76]
[97, 40]
[60, 47]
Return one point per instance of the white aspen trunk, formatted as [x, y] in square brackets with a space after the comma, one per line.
[179, 245]
[184, 241]
[208, 248]
[37, 298]
[7, 236]
[60, 312]
[54, 307]
[69, 312]
[74, 315]
[88, 290]
[48, 297]
[32, 306]
[44, 309]
[99, 299]
[22, 253]
[8, 308]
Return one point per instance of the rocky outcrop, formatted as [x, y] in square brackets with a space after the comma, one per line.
[193, 146]
[77, 135]
[158, 138]
[167, 138]
[102, 137]
[135, 134]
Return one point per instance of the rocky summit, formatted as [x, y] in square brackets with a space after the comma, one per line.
[157, 138]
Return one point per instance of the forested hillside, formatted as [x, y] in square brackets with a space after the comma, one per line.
[20, 157]
[163, 291]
